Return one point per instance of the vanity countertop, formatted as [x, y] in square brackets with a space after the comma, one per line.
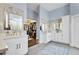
[9, 37]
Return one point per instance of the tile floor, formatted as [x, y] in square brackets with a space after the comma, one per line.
[53, 48]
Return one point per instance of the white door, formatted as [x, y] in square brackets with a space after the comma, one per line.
[66, 29]
[75, 32]
[23, 46]
[11, 46]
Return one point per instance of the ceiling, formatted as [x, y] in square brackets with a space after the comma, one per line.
[52, 6]
[47, 6]
[33, 5]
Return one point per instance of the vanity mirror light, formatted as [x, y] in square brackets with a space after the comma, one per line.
[6, 21]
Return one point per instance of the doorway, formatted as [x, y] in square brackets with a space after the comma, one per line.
[31, 32]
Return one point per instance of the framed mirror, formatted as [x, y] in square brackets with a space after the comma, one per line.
[16, 22]
[13, 22]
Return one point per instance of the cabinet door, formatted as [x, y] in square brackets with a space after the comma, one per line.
[66, 29]
[49, 37]
[52, 36]
[60, 37]
[75, 32]
[23, 48]
[17, 46]
[11, 46]
[56, 37]
[43, 37]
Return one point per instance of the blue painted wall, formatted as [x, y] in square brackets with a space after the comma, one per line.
[29, 12]
[21, 6]
[43, 13]
[65, 10]
[74, 7]
[32, 14]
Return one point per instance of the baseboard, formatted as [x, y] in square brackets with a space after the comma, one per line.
[26, 53]
[74, 46]
[60, 42]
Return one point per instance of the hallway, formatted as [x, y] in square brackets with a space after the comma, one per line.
[53, 48]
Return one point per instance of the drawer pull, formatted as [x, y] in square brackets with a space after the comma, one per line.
[18, 46]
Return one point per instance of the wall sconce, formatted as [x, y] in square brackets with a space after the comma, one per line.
[6, 21]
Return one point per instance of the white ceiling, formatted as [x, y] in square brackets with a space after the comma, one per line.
[47, 6]
[53, 6]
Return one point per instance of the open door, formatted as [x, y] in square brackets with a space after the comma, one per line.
[31, 32]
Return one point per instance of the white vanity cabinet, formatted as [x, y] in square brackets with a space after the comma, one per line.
[63, 36]
[11, 25]
[66, 29]
[43, 37]
[57, 37]
[54, 36]
[75, 31]
[24, 46]
[60, 37]
[11, 43]
[17, 46]
[48, 37]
